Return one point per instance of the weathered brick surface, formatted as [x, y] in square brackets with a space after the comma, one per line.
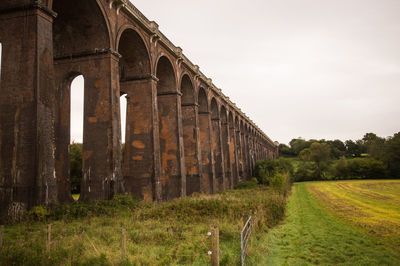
[183, 135]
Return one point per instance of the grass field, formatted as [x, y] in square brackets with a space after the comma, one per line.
[172, 233]
[372, 205]
[315, 234]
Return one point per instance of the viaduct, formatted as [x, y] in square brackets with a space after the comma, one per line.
[183, 135]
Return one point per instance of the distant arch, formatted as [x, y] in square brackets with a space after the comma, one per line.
[135, 60]
[187, 90]
[166, 74]
[202, 100]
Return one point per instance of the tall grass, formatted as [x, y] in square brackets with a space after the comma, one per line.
[171, 233]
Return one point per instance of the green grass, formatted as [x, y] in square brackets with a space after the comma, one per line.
[311, 235]
[371, 205]
[172, 233]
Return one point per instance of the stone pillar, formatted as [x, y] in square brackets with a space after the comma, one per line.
[142, 167]
[239, 155]
[225, 137]
[173, 177]
[101, 149]
[27, 109]
[218, 162]
[208, 180]
[233, 154]
[191, 138]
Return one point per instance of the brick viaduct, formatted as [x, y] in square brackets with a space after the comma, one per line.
[183, 135]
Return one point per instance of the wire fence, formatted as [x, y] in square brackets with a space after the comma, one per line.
[245, 235]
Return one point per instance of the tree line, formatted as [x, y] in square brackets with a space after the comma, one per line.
[369, 157]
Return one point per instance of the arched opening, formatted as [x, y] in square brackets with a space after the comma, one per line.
[134, 63]
[190, 135]
[80, 37]
[216, 146]
[136, 106]
[165, 73]
[122, 107]
[1, 54]
[207, 184]
[77, 89]
[232, 148]
[225, 147]
[79, 27]
[172, 177]
[123, 112]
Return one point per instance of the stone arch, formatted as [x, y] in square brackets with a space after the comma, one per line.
[202, 100]
[187, 90]
[171, 149]
[82, 43]
[165, 73]
[64, 138]
[137, 83]
[80, 27]
[190, 124]
[217, 146]
[134, 63]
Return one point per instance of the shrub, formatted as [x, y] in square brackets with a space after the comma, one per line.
[39, 213]
[247, 184]
[279, 183]
[305, 172]
[267, 169]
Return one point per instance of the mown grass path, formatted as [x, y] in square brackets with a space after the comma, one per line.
[311, 235]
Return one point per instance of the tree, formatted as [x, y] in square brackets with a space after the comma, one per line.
[76, 167]
[285, 150]
[320, 154]
[353, 149]
[374, 145]
[338, 148]
[392, 155]
[297, 145]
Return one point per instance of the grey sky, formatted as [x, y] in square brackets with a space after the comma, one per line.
[309, 68]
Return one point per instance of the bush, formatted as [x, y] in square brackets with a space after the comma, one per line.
[247, 184]
[364, 168]
[305, 172]
[38, 213]
[280, 182]
[267, 169]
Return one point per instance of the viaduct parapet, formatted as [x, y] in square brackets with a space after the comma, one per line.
[183, 135]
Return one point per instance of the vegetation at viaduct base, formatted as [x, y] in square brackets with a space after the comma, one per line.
[170, 233]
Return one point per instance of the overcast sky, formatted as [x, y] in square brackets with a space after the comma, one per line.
[310, 68]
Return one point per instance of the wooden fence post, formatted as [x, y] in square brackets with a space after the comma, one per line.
[48, 243]
[215, 246]
[123, 244]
